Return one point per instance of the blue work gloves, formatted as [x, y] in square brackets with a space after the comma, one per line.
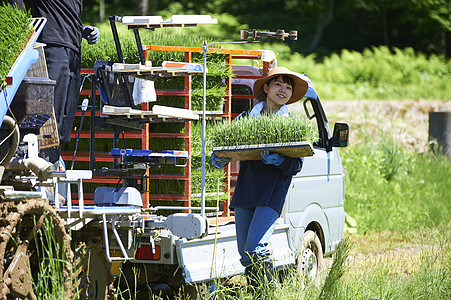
[219, 162]
[272, 159]
[91, 34]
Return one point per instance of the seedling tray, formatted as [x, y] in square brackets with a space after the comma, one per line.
[252, 152]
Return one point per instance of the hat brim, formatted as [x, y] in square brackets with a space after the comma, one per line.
[300, 85]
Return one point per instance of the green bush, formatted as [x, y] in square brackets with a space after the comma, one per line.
[388, 188]
[379, 73]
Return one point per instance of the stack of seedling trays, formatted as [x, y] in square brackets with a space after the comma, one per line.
[216, 91]
[151, 73]
[246, 137]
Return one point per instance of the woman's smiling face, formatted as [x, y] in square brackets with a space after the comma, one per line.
[277, 92]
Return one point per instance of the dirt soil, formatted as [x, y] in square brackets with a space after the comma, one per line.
[406, 121]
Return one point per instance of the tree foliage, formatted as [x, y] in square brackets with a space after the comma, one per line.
[324, 26]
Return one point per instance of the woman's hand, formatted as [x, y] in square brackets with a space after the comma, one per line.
[219, 162]
[272, 159]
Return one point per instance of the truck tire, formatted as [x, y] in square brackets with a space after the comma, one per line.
[310, 256]
[34, 250]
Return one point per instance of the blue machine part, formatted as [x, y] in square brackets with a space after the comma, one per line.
[26, 58]
[130, 152]
[149, 153]
[34, 121]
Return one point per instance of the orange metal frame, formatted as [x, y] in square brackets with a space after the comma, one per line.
[145, 135]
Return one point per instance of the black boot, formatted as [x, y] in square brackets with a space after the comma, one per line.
[252, 276]
[260, 276]
[267, 269]
[253, 280]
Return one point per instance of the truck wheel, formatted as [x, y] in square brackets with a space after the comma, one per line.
[94, 278]
[310, 256]
[35, 253]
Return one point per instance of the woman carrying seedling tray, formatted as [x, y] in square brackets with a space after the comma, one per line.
[262, 185]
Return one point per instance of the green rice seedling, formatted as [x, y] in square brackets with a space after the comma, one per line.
[50, 278]
[214, 97]
[262, 130]
[211, 173]
[393, 159]
[15, 30]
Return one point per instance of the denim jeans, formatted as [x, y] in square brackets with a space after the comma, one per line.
[254, 227]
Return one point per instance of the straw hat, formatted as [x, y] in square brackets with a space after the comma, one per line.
[300, 85]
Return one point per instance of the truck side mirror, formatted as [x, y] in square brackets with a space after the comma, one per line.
[340, 136]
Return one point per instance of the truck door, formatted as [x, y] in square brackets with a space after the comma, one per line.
[315, 195]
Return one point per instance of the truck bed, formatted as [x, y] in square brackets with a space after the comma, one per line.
[216, 255]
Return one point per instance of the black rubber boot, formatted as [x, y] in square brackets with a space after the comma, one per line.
[260, 276]
[267, 269]
[253, 280]
[252, 276]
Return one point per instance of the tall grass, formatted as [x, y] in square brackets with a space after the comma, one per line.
[337, 270]
[49, 278]
[420, 272]
[388, 188]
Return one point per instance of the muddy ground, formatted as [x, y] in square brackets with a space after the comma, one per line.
[406, 121]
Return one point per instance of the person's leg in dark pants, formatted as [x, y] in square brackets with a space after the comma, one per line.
[63, 65]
